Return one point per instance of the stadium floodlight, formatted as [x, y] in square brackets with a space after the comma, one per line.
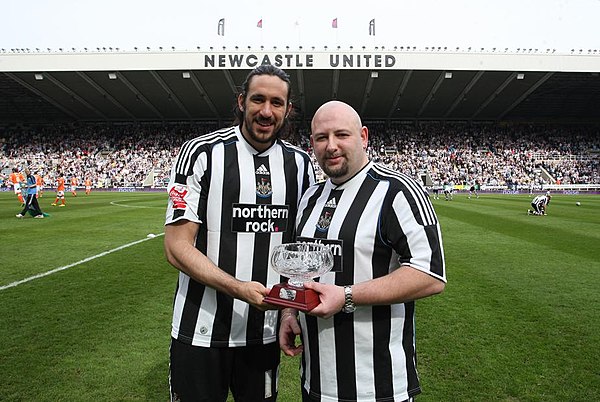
[38, 76]
[186, 75]
[374, 74]
[520, 76]
[112, 76]
[448, 75]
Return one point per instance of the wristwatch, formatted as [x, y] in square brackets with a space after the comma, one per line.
[349, 305]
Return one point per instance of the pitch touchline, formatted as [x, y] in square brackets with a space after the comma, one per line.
[17, 283]
[116, 203]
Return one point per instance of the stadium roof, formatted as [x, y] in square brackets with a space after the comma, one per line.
[403, 84]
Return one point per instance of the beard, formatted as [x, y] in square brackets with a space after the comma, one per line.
[335, 172]
[263, 138]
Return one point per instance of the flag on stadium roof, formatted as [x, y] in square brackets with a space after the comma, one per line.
[221, 27]
[334, 23]
[372, 27]
[259, 23]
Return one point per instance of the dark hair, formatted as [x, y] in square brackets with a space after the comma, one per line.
[264, 69]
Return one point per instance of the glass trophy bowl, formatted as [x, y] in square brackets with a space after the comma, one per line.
[300, 262]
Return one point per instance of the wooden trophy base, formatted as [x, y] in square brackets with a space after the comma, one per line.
[287, 295]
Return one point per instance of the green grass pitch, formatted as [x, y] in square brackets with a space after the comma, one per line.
[519, 319]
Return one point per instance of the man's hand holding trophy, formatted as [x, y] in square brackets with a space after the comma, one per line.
[300, 262]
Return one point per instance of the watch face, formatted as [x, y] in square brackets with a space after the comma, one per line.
[349, 309]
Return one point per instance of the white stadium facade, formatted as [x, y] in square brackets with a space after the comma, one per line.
[397, 84]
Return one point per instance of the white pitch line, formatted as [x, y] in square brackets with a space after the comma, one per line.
[116, 203]
[31, 278]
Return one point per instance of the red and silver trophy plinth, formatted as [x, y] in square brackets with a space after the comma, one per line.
[300, 262]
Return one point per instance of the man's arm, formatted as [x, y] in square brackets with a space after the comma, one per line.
[402, 285]
[183, 255]
[289, 329]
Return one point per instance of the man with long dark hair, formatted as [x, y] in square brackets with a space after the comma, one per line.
[233, 197]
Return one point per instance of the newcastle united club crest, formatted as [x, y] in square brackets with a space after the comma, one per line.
[324, 221]
[264, 189]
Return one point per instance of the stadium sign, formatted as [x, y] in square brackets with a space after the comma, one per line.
[296, 60]
[380, 59]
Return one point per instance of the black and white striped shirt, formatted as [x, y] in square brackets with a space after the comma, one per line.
[540, 202]
[375, 222]
[246, 204]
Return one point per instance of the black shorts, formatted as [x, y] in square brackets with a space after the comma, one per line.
[207, 374]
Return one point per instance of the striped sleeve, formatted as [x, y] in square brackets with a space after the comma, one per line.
[410, 225]
[186, 188]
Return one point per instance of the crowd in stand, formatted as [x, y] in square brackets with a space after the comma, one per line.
[141, 155]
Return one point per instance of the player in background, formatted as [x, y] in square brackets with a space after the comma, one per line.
[15, 179]
[474, 189]
[88, 186]
[540, 204]
[74, 183]
[436, 190]
[60, 191]
[448, 190]
[39, 182]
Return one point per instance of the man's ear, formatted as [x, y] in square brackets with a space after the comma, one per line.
[289, 109]
[240, 101]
